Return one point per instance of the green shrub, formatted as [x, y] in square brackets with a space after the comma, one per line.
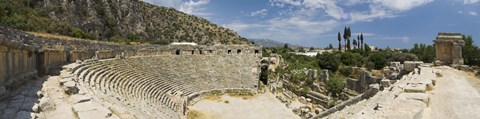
[335, 85]
[402, 57]
[304, 91]
[378, 59]
[348, 58]
[76, 32]
[346, 71]
[328, 61]
[160, 42]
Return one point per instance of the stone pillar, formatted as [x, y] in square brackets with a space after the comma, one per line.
[24, 57]
[9, 57]
[3, 64]
[457, 53]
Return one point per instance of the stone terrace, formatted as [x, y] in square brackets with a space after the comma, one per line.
[405, 99]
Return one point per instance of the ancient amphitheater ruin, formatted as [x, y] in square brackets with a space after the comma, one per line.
[50, 78]
[148, 81]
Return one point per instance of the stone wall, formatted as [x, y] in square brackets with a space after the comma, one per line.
[448, 47]
[361, 85]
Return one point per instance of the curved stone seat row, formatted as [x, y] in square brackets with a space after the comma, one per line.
[166, 82]
[113, 82]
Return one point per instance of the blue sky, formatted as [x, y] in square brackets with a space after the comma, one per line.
[393, 23]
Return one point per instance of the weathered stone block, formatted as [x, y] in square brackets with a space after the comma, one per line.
[394, 64]
[46, 104]
[64, 80]
[385, 83]
[409, 66]
[94, 114]
[372, 90]
[70, 87]
[35, 108]
[415, 88]
[79, 98]
[394, 76]
[85, 106]
[424, 114]
[415, 96]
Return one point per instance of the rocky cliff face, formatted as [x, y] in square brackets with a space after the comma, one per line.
[125, 21]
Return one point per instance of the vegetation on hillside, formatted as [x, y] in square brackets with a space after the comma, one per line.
[471, 52]
[126, 21]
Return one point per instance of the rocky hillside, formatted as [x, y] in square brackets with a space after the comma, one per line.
[267, 43]
[113, 20]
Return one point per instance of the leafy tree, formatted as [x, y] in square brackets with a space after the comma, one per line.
[311, 49]
[348, 59]
[328, 61]
[339, 42]
[402, 57]
[378, 59]
[345, 38]
[348, 44]
[300, 49]
[346, 35]
[285, 46]
[358, 42]
[335, 85]
[346, 71]
[424, 53]
[330, 46]
[361, 38]
[264, 74]
[367, 49]
[354, 44]
[470, 51]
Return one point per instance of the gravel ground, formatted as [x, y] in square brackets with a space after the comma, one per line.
[262, 106]
[455, 96]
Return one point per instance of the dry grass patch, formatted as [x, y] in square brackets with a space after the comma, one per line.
[213, 98]
[377, 72]
[438, 75]
[194, 114]
[47, 35]
[243, 96]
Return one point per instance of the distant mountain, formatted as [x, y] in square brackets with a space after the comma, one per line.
[267, 43]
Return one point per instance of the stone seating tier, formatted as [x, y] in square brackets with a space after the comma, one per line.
[167, 82]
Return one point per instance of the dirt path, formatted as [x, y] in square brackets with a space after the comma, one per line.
[456, 96]
[262, 106]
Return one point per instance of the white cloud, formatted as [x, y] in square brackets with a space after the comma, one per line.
[261, 12]
[192, 7]
[364, 34]
[405, 39]
[470, 1]
[473, 13]
[283, 3]
[167, 3]
[377, 9]
[293, 28]
[189, 7]
[401, 5]
[375, 12]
